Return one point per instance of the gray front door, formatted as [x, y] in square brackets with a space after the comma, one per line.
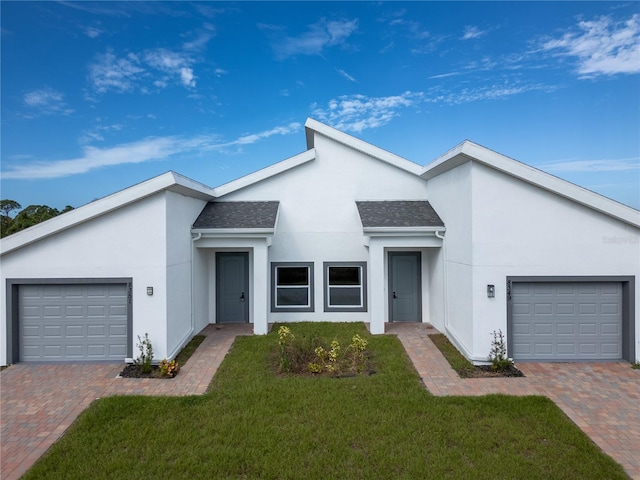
[405, 287]
[232, 287]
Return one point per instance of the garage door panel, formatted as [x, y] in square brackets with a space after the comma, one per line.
[587, 309]
[96, 311]
[543, 329]
[543, 309]
[610, 309]
[588, 329]
[566, 320]
[69, 322]
[52, 331]
[566, 349]
[565, 329]
[566, 309]
[543, 348]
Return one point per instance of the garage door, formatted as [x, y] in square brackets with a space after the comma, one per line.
[566, 321]
[72, 322]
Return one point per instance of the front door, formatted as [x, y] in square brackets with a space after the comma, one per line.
[405, 287]
[232, 287]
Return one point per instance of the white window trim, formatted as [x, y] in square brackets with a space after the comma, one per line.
[309, 307]
[362, 307]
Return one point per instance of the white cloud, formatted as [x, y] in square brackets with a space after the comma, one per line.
[604, 165]
[186, 77]
[46, 101]
[201, 39]
[145, 150]
[157, 66]
[602, 46]
[112, 73]
[92, 32]
[489, 92]
[346, 75]
[319, 36]
[471, 32]
[358, 112]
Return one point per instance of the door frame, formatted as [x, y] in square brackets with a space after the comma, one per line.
[247, 301]
[417, 254]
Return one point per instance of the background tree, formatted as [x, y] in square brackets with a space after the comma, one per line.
[6, 207]
[27, 217]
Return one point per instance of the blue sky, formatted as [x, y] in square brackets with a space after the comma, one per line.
[98, 96]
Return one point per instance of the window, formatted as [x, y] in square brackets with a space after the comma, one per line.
[345, 287]
[292, 287]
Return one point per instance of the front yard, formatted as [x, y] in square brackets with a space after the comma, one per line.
[255, 423]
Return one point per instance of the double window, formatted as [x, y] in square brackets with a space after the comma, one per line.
[345, 287]
[292, 287]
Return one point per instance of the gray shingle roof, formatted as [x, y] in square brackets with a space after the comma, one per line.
[238, 215]
[403, 213]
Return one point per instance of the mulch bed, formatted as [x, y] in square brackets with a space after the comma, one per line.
[133, 371]
[485, 371]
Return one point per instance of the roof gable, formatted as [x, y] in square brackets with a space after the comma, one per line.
[469, 151]
[168, 181]
[313, 126]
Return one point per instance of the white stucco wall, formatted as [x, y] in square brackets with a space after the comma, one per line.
[318, 218]
[500, 226]
[181, 212]
[523, 230]
[450, 195]
[128, 242]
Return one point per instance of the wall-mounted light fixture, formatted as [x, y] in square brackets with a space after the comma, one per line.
[491, 291]
[149, 291]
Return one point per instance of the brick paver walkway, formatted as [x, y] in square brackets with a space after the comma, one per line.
[603, 399]
[39, 402]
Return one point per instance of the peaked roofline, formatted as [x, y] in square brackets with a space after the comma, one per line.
[265, 173]
[312, 126]
[469, 151]
[168, 181]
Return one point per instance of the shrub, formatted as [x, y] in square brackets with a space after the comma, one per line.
[498, 353]
[308, 355]
[143, 361]
[169, 368]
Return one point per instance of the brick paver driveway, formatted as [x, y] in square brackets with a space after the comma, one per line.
[603, 399]
[39, 402]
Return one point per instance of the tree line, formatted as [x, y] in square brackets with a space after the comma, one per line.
[25, 217]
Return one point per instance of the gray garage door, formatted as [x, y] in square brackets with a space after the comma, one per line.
[566, 321]
[77, 322]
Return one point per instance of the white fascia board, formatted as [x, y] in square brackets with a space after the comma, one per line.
[469, 151]
[102, 206]
[233, 232]
[265, 173]
[312, 125]
[396, 231]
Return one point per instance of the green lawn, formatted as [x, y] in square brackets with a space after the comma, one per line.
[255, 424]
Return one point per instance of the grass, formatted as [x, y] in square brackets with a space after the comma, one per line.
[255, 424]
[189, 349]
[457, 361]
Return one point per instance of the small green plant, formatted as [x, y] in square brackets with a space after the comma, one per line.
[308, 354]
[145, 358]
[355, 354]
[498, 352]
[635, 365]
[169, 368]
